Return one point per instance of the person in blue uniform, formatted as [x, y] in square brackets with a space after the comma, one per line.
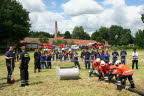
[102, 55]
[53, 55]
[37, 55]
[60, 56]
[123, 54]
[115, 55]
[76, 62]
[107, 56]
[24, 61]
[87, 55]
[10, 57]
[42, 60]
[49, 56]
[71, 55]
[98, 55]
[93, 54]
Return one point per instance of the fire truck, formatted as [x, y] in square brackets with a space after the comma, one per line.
[96, 45]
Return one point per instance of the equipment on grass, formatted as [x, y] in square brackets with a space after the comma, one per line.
[66, 73]
[134, 90]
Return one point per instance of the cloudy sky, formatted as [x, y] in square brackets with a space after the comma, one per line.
[91, 14]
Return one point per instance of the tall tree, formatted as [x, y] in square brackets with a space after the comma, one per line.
[139, 38]
[67, 35]
[142, 17]
[14, 21]
[78, 33]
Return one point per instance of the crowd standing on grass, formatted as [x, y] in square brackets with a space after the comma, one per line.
[94, 60]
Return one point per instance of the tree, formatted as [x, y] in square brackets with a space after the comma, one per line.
[39, 34]
[78, 33]
[139, 38]
[14, 21]
[142, 17]
[67, 35]
[43, 39]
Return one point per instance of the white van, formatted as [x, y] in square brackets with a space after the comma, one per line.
[74, 47]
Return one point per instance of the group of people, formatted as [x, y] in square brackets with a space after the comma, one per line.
[107, 71]
[43, 60]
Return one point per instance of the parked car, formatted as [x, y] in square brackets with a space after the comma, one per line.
[74, 47]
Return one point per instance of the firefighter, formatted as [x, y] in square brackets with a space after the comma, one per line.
[71, 55]
[60, 55]
[10, 57]
[76, 62]
[42, 60]
[102, 55]
[87, 59]
[95, 65]
[37, 55]
[106, 56]
[49, 56]
[123, 54]
[124, 72]
[93, 54]
[24, 61]
[82, 55]
[115, 56]
[112, 71]
[102, 70]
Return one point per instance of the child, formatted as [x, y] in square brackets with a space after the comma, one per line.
[60, 56]
[49, 56]
[42, 60]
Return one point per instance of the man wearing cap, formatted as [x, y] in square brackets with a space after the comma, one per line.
[87, 59]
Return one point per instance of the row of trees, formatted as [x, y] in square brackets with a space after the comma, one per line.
[14, 26]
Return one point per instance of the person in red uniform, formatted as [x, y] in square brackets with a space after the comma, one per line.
[95, 65]
[124, 72]
[102, 70]
[112, 72]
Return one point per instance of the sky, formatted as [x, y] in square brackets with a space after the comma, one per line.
[91, 14]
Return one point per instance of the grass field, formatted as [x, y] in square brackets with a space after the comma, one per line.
[45, 83]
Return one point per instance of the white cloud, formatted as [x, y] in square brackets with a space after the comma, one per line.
[53, 3]
[118, 14]
[33, 5]
[87, 13]
[79, 7]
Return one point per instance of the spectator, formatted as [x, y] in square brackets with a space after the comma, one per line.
[135, 59]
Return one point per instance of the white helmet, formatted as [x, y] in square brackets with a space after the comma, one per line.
[98, 60]
[110, 63]
[102, 63]
[117, 62]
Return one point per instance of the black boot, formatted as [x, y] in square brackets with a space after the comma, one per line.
[132, 85]
[118, 87]
[8, 81]
[26, 83]
[123, 83]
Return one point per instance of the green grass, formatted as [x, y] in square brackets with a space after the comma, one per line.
[45, 83]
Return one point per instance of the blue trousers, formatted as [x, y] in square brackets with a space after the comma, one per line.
[87, 64]
[42, 65]
[114, 60]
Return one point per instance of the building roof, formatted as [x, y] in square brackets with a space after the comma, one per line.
[76, 41]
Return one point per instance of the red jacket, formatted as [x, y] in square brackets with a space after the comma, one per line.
[103, 69]
[95, 64]
[124, 70]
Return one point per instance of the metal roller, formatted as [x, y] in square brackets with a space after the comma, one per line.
[66, 73]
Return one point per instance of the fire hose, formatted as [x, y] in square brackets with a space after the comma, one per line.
[126, 87]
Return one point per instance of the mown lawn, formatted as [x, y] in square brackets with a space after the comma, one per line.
[45, 83]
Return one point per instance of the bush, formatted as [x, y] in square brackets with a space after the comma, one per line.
[126, 47]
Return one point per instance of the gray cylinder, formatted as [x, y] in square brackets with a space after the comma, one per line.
[65, 73]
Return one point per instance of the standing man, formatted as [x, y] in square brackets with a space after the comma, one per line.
[115, 56]
[123, 54]
[93, 54]
[82, 54]
[87, 59]
[24, 61]
[107, 56]
[10, 57]
[76, 62]
[37, 55]
[135, 59]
